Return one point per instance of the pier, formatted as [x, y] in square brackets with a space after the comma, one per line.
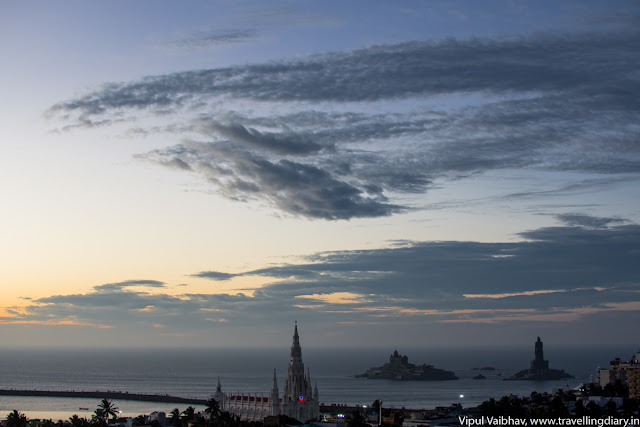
[114, 395]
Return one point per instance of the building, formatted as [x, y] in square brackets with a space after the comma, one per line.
[627, 373]
[539, 368]
[538, 365]
[247, 406]
[299, 400]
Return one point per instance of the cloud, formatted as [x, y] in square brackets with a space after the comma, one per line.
[555, 267]
[564, 274]
[588, 221]
[128, 283]
[211, 38]
[542, 64]
[279, 143]
[120, 308]
[51, 323]
[214, 275]
[553, 315]
[303, 136]
[294, 187]
[514, 294]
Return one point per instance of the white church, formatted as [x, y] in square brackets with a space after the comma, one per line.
[298, 400]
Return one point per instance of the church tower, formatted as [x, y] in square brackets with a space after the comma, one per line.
[298, 400]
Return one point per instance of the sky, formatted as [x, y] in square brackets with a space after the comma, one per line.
[387, 174]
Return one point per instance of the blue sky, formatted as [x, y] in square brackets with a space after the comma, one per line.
[450, 173]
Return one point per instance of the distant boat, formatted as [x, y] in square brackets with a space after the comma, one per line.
[83, 409]
[480, 377]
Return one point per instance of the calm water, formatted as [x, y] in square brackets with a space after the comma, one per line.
[194, 373]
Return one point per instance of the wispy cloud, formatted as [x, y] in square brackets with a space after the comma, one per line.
[214, 275]
[127, 284]
[553, 315]
[314, 148]
[51, 323]
[212, 38]
[588, 220]
[514, 294]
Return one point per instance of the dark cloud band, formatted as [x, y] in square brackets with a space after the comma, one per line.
[566, 268]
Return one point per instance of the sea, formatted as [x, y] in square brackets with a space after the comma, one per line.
[194, 373]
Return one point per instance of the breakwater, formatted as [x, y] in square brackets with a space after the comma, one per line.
[114, 395]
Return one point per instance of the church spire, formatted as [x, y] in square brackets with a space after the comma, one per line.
[274, 386]
[296, 351]
[275, 395]
[297, 399]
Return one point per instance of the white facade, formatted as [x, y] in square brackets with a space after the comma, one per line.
[247, 406]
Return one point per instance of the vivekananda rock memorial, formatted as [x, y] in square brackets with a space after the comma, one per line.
[399, 369]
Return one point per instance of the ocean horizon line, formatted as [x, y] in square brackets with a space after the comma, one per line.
[391, 347]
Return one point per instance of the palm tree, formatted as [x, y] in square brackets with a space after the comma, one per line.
[189, 413]
[213, 409]
[16, 419]
[102, 413]
[76, 421]
[98, 419]
[175, 418]
[107, 408]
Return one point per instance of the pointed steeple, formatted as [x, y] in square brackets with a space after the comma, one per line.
[296, 351]
[297, 399]
[275, 395]
[274, 386]
[219, 396]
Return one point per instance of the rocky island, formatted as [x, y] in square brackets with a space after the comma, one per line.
[539, 369]
[399, 369]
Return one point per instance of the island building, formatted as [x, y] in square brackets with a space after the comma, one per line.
[299, 400]
[399, 369]
[539, 368]
[626, 372]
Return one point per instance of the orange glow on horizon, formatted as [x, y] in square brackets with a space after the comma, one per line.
[338, 298]
[52, 323]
